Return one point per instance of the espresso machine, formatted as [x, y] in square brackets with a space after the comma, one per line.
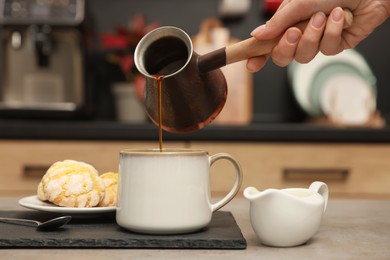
[42, 58]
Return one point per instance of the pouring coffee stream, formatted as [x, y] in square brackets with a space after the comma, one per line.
[194, 89]
[159, 79]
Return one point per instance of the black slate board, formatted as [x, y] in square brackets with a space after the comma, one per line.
[103, 232]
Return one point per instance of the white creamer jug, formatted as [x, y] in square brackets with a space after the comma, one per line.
[287, 217]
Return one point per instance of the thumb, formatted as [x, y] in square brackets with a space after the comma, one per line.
[271, 29]
[265, 32]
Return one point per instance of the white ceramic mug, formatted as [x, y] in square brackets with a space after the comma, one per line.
[168, 191]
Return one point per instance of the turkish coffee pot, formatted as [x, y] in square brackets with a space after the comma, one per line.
[194, 89]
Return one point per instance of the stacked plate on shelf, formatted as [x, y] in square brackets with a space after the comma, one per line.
[341, 87]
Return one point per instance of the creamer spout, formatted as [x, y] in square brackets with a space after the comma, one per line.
[251, 193]
[322, 189]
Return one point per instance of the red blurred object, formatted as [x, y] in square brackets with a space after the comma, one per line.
[111, 41]
[121, 43]
[270, 6]
[127, 63]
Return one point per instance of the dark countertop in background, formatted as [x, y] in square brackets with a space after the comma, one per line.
[111, 130]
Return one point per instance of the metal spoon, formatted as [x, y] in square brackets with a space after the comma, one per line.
[47, 225]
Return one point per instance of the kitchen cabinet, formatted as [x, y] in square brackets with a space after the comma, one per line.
[350, 170]
[23, 162]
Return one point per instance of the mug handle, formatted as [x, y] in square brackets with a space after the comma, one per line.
[236, 187]
[321, 188]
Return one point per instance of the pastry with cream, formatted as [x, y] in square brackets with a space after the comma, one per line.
[71, 183]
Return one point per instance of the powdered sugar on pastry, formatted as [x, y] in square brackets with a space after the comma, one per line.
[71, 183]
[110, 180]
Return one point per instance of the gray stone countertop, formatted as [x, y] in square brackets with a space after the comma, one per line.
[351, 229]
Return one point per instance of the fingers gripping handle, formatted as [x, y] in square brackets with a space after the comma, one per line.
[237, 184]
[250, 48]
[253, 47]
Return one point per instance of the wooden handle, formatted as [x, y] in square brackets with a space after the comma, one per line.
[253, 47]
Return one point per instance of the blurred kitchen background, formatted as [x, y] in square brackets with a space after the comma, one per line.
[70, 60]
[69, 90]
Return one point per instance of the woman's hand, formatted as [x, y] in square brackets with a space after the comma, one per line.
[324, 32]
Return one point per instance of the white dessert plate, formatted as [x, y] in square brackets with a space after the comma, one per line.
[32, 202]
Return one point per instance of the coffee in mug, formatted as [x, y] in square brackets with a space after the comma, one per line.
[168, 191]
